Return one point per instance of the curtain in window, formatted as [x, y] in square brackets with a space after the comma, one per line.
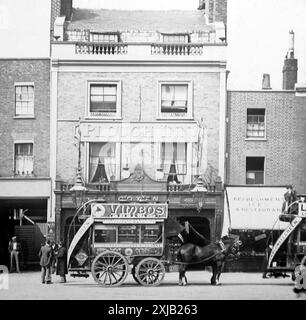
[139, 153]
[174, 97]
[24, 159]
[167, 156]
[180, 161]
[174, 159]
[167, 95]
[102, 163]
[180, 96]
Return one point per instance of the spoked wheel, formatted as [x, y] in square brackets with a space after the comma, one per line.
[150, 272]
[109, 269]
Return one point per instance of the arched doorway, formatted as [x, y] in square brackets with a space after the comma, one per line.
[201, 224]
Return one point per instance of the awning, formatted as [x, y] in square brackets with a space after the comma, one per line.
[254, 208]
[25, 188]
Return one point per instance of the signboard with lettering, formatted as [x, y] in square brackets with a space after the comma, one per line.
[129, 211]
[291, 227]
[255, 207]
[302, 209]
[139, 132]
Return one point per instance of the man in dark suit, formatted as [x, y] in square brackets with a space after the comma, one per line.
[45, 255]
[14, 249]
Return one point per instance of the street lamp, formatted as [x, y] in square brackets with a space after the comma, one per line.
[78, 190]
[198, 192]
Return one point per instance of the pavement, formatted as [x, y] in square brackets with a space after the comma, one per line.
[242, 286]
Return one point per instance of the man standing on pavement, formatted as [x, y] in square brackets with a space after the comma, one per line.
[14, 249]
[45, 255]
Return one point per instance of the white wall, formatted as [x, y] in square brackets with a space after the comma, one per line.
[24, 28]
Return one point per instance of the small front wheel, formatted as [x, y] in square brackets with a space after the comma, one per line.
[150, 272]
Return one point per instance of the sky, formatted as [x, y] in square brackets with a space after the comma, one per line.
[258, 33]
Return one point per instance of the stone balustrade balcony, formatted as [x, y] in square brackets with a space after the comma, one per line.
[212, 53]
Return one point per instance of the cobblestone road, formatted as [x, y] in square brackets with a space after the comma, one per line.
[234, 286]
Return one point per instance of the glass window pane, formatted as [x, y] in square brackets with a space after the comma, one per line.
[110, 99]
[181, 92]
[110, 90]
[151, 233]
[96, 90]
[128, 234]
[105, 234]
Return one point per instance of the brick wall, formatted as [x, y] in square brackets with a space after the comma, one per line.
[299, 145]
[60, 8]
[280, 134]
[55, 11]
[37, 129]
[72, 102]
[290, 70]
[216, 10]
[221, 10]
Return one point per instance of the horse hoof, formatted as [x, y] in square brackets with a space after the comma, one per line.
[215, 283]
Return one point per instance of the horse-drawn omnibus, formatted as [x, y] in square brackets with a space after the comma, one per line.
[289, 250]
[110, 240]
[113, 237]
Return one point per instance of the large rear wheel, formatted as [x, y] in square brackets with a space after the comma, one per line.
[109, 269]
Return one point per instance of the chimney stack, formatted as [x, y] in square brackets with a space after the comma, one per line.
[266, 82]
[215, 10]
[201, 5]
[60, 8]
[290, 68]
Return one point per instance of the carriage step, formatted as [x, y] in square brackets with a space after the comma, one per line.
[79, 275]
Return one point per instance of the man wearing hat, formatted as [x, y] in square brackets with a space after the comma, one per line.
[14, 249]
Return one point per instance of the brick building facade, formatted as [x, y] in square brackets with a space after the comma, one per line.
[25, 184]
[264, 154]
[162, 78]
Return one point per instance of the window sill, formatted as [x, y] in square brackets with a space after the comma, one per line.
[24, 117]
[103, 118]
[175, 118]
[255, 139]
[23, 176]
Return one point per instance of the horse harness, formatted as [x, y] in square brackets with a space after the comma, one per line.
[222, 248]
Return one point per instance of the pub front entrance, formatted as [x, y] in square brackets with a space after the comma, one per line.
[140, 188]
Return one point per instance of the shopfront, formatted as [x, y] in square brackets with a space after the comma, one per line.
[253, 214]
[183, 205]
[24, 212]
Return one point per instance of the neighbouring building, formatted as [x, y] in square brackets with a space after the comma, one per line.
[265, 153]
[25, 184]
[138, 110]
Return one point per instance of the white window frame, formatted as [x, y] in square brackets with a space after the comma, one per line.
[109, 115]
[98, 34]
[265, 119]
[171, 37]
[14, 157]
[24, 84]
[174, 115]
[77, 35]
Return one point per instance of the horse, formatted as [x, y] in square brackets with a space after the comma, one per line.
[213, 254]
[186, 233]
